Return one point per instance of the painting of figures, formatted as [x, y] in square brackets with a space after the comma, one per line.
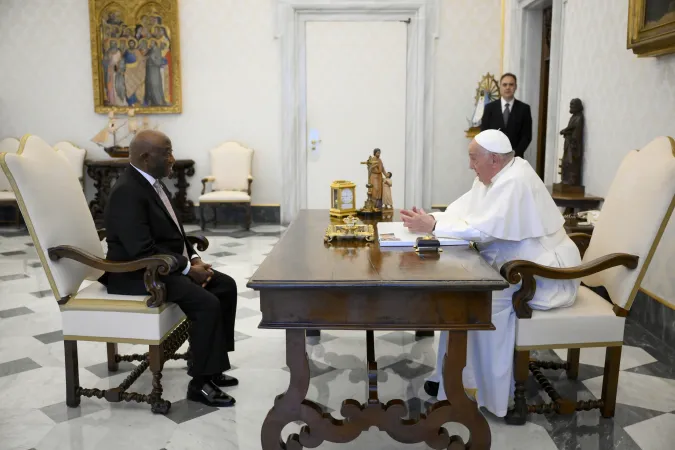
[135, 55]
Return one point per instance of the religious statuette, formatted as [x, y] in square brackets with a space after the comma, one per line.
[343, 198]
[375, 185]
[486, 92]
[118, 133]
[387, 201]
[350, 230]
[571, 165]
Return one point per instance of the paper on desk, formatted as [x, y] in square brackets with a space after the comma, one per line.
[395, 234]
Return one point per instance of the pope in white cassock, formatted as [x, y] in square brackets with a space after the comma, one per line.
[509, 214]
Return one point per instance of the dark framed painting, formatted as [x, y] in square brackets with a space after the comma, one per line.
[135, 51]
[651, 27]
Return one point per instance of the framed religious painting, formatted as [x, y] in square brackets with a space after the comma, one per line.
[135, 52]
[651, 27]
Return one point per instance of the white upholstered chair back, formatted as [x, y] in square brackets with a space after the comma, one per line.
[231, 165]
[633, 217]
[55, 211]
[74, 155]
[7, 145]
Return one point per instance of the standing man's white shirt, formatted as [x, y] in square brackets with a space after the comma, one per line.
[513, 217]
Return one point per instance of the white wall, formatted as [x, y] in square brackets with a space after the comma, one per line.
[627, 100]
[469, 46]
[230, 80]
[230, 74]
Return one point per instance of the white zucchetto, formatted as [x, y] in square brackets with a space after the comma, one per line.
[494, 141]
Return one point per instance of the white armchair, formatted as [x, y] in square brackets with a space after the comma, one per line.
[7, 197]
[634, 215]
[74, 155]
[232, 175]
[62, 229]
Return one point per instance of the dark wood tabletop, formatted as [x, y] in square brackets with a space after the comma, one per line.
[301, 259]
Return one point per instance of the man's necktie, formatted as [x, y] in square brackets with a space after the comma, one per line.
[167, 205]
[506, 114]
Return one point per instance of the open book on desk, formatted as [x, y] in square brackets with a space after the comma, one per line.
[395, 234]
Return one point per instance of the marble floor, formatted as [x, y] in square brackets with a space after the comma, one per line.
[33, 414]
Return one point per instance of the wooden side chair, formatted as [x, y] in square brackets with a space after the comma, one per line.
[634, 215]
[232, 175]
[7, 197]
[74, 155]
[69, 247]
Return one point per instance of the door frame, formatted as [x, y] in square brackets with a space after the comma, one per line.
[422, 31]
[522, 49]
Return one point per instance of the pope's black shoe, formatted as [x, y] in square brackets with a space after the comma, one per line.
[208, 394]
[431, 388]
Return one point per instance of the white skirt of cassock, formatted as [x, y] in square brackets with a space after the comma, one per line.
[489, 359]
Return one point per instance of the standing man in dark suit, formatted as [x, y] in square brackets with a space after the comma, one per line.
[140, 222]
[509, 115]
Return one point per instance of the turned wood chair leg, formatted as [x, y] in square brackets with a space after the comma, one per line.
[113, 365]
[72, 374]
[159, 405]
[201, 217]
[610, 381]
[521, 370]
[248, 216]
[573, 363]
[215, 216]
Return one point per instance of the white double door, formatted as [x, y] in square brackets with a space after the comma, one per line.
[356, 102]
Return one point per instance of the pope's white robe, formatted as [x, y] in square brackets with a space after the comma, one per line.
[514, 217]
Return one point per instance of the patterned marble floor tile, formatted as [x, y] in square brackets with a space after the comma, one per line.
[22, 428]
[17, 366]
[60, 412]
[13, 312]
[639, 390]
[50, 338]
[630, 356]
[657, 433]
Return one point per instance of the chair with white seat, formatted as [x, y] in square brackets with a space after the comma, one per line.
[232, 175]
[616, 257]
[69, 247]
[74, 155]
[7, 197]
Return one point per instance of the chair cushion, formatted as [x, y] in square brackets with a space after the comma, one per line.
[7, 196]
[231, 165]
[94, 315]
[224, 196]
[590, 321]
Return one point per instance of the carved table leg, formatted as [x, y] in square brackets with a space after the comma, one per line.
[286, 407]
[185, 209]
[458, 407]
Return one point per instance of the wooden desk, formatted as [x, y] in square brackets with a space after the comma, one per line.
[305, 284]
[105, 171]
[575, 202]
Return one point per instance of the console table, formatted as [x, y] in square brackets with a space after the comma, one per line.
[574, 202]
[105, 171]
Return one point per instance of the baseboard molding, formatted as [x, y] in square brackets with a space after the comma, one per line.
[655, 316]
[234, 214]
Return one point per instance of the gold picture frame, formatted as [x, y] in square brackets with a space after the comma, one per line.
[651, 27]
[126, 36]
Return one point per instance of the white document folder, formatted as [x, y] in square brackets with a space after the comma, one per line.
[395, 234]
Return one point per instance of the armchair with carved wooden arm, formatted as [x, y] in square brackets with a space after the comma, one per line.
[232, 169]
[70, 250]
[616, 257]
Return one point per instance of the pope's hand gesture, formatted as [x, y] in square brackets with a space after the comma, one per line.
[418, 221]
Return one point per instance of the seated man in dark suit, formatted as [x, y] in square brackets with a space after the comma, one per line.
[509, 115]
[141, 222]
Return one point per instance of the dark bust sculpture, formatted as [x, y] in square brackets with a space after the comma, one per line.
[573, 155]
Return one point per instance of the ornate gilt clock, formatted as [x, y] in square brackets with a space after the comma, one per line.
[342, 198]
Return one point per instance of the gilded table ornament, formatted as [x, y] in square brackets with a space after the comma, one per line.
[350, 230]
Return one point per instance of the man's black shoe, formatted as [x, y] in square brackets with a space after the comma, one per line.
[431, 388]
[209, 394]
[223, 380]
